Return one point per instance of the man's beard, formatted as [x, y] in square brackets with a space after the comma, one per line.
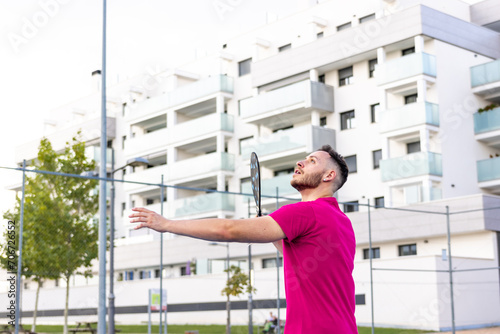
[307, 181]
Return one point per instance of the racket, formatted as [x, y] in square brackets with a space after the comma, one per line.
[255, 174]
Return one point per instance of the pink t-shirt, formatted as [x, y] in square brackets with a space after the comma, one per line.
[318, 254]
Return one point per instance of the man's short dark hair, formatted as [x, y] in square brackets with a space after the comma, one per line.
[339, 162]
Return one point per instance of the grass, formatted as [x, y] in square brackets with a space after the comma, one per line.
[209, 329]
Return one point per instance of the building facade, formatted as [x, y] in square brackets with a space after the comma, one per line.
[407, 91]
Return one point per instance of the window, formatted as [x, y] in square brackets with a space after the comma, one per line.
[367, 18]
[377, 156]
[124, 172]
[375, 111]
[129, 275]
[245, 181]
[320, 35]
[346, 76]
[321, 78]
[351, 206]
[372, 66]
[411, 98]
[284, 47]
[124, 139]
[351, 163]
[124, 108]
[157, 273]
[347, 120]
[406, 250]
[375, 253]
[344, 26]
[144, 274]
[360, 299]
[379, 202]
[408, 51]
[413, 147]
[322, 121]
[149, 201]
[271, 262]
[244, 67]
[123, 208]
[184, 271]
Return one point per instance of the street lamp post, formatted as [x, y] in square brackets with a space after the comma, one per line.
[228, 305]
[111, 298]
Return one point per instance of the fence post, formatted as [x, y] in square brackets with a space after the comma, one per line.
[162, 194]
[20, 258]
[450, 269]
[370, 252]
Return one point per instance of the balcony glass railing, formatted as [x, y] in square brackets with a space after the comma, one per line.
[303, 93]
[135, 146]
[409, 115]
[201, 126]
[94, 152]
[485, 73]
[268, 186]
[406, 67]
[183, 94]
[488, 169]
[200, 204]
[280, 141]
[414, 164]
[487, 121]
[213, 162]
[201, 88]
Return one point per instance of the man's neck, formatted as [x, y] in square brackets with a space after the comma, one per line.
[309, 195]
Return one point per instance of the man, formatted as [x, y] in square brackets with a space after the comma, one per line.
[314, 235]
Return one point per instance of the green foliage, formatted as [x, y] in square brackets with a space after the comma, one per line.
[488, 107]
[237, 283]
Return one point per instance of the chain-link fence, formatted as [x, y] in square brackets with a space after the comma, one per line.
[431, 265]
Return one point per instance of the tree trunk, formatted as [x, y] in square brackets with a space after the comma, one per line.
[33, 328]
[65, 329]
[228, 307]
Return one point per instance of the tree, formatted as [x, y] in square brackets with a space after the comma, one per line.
[237, 284]
[59, 239]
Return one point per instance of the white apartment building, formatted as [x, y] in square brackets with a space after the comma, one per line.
[393, 85]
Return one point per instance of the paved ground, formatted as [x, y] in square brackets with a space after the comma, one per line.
[491, 330]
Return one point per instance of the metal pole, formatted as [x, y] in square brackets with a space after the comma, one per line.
[370, 251]
[450, 270]
[111, 298]
[250, 298]
[161, 255]
[101, 312]
[228, 299]
[278, 270]
[20, 258]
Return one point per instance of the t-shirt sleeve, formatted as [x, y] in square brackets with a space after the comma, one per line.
[294, 219]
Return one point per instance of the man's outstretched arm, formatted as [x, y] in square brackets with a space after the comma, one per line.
[257, 230]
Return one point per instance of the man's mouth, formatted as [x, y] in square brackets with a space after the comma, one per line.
[297, 171]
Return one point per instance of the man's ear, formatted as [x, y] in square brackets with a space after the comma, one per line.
[330, 176]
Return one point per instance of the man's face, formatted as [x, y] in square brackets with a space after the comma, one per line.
[310, 171]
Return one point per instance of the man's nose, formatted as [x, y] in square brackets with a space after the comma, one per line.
[300, 164]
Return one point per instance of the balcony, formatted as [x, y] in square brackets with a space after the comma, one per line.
[293, 144]
[94, 152]
[148, 142]
[488, 174]
[201, 166]
[268, 186]
[193, 94]
[203, 204]
[201, 127]
[292, 101]
[485, 80]
[411, 165]
[406, 67]
[148, 175]
[487, 127]
[414, 114]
